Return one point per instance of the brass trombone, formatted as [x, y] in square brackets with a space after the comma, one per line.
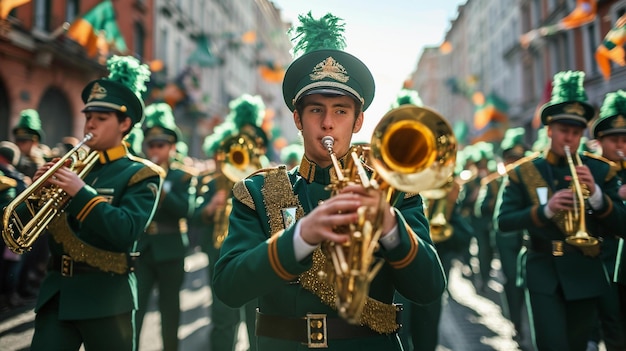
[43, 203]
[412, 149]
[577, 236]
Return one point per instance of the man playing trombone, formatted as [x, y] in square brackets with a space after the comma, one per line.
[561, 199]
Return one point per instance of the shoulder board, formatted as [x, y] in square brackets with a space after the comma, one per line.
[241, 193]
[613, 166]
[512, 166]
[262, 171]
[148, 170]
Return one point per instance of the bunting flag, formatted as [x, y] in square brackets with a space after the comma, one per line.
[490, 117]
[611, 49]
[97, 30]
[7, 5]
[584, 12]
[445, 48]
[271, 72]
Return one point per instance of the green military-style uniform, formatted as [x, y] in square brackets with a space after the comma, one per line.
[292, 289]
[612, 309]
[90, 294]
[297, 307]
[164, 245]
[564, 282]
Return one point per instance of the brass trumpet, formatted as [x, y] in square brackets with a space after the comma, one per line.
[577, 236]
[43, 203]
[412, 149]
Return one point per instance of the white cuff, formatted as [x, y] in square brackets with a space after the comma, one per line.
[596, 200]
[392, 239]
[301, 248]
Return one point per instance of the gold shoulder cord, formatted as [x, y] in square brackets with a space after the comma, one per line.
[378, 316]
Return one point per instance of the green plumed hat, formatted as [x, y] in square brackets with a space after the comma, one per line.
[246, 110]
[568, 103]
[542, 142]
[323, 67]
[512, 144]
[220, 133]
[29, 126]
[612, 118]
[160, 124]
[291, 153]
[407, 97]
[121, 90]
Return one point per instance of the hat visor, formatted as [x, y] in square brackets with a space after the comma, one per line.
[95, 108]
[568, 121]
[159, 138]
[329, 91]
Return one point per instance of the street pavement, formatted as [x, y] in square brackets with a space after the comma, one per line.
[470, 321]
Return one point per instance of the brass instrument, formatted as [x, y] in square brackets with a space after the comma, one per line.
[412, 149]
[440, 229]
[577, 235]
[237, 158]
[44, 203]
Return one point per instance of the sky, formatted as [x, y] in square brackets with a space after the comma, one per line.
[388, 36]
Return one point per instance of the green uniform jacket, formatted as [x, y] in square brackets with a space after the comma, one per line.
[166, 237]
[108, 213]
[578, 276]
[257, 258]
[620, 264]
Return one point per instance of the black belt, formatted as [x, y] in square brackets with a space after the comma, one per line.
[313, 330]
[68, 267]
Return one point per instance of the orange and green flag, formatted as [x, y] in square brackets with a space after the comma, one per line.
[97, 30]
[611, 49]
[7, 5]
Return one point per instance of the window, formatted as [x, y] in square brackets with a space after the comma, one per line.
[71, 10]
[42, 15]
[139, 39]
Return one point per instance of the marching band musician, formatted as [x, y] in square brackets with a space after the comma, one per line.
[268, 257]
[163, 246]
[89, 295]
[564, 281]
[610, 131]
[213, 207]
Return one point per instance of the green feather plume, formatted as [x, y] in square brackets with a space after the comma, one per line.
[220, 133]
[315, 34]
[128, 71]
[246, 109]
[614, 104]
[29, 118]
[407, 97]
[568, 86]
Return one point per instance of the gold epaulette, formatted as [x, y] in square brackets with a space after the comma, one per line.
[510, 168]
[150, 170]
[241, 193]
[613, 166]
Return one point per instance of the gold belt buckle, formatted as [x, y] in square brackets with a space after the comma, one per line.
[67, 266]
[557, 248]
[316, 331]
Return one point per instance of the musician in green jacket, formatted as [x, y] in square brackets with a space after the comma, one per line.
[610, 131]
[565, 274]
[89, 296]
[280, 218]
[163, 246]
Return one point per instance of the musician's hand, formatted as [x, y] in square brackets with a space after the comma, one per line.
[562, 200]
[585, 177]
[374, 200]
[622, 192]
[67, 180]
[43, 169]
[319, 224]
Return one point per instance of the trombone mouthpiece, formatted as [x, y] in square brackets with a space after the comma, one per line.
[88, 136]
[566, 149]
[328, 142]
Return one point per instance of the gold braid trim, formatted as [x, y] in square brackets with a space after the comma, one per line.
[378, 316]
[241, 193]
[80, 251]
[150, 170]
[276, 191]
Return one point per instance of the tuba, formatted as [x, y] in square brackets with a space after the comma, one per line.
[412, 149]
[575, 227]
[237, 158]
[43, 203]
[440, 229]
